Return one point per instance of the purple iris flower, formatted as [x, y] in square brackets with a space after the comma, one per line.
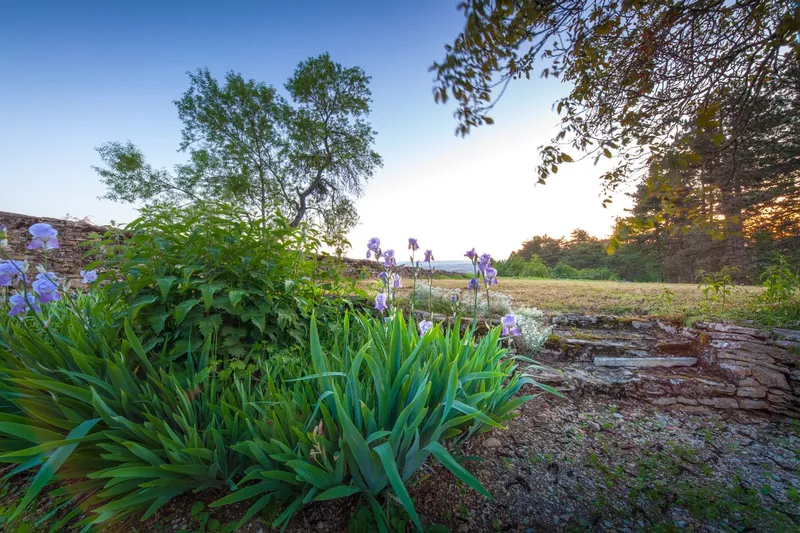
[46, 286]
[484, 262]
[21, 304]
[388, 258]
[380, 302]
[397, 282]
[412, 245]
[374, 247]
[424, 326]
[471, 254]
[473, 285]
[509, 325]
[383, 277]
[44, 236]
[11, 272]
[429, 256]
[490, 276]
[88, 276]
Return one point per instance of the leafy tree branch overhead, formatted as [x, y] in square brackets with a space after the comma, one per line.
[645, 78]
[307, 156]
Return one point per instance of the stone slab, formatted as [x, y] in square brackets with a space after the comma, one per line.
[645, 362]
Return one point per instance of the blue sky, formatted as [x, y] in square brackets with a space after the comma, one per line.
[76, 74]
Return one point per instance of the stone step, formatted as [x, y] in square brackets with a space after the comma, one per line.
[645, 362]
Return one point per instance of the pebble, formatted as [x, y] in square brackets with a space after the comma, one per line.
[618, 416]
[492, 442]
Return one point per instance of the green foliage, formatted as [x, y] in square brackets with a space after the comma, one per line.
[204, 272]
[717, 286]
[564, 271]
[387, 398]
[249, 146]
[779, 304]
[85, 402]
[629, 101]
[540, 255]
[517, 267]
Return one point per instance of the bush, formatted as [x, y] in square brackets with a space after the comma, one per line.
[206, 271]
[516, 266]
[82, 401]
[779, 304]
[533, 328]
[564, 271]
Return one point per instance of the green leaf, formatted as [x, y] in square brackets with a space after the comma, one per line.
[340, 491]
[196, 508]
[164, 284]
[235, 296]
[386, 455]
[183, 309]
[49, 469]
[452, 465]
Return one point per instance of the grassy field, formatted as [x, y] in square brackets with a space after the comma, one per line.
[674, 300]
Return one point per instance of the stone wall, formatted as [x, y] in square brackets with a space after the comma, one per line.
[69, 259]
[710, 365]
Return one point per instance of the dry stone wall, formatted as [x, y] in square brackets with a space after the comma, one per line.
[715, 365]
[69, 259]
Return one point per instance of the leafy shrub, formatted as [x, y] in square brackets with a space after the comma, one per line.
[780, 301]
[564, 271]
[517, 266]
[717, 286]
[206, 271]
[83, 401]
[534, 329]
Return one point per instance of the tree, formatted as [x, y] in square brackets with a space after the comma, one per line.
[307, 157]
[639, 71]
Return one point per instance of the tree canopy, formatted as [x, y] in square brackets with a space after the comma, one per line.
[307, 156]
[646, 78]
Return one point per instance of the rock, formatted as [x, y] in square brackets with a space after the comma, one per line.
[637, 324]
[748, 382]
[719, 403]
[492, 442]
[687, 401]
[717, 336]
[752, 392]
[667, 328]
[753, 404]
[734, 369]
[755, 351]
[787, 345]
[770, 378]
[730, 328]
[645, 362]
[790, 334]
[664, 401]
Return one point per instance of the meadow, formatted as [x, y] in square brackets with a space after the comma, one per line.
[669, 300]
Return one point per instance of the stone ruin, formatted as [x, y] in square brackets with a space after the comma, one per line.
[709, 365]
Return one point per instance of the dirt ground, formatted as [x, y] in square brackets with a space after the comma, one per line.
[590, 464]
